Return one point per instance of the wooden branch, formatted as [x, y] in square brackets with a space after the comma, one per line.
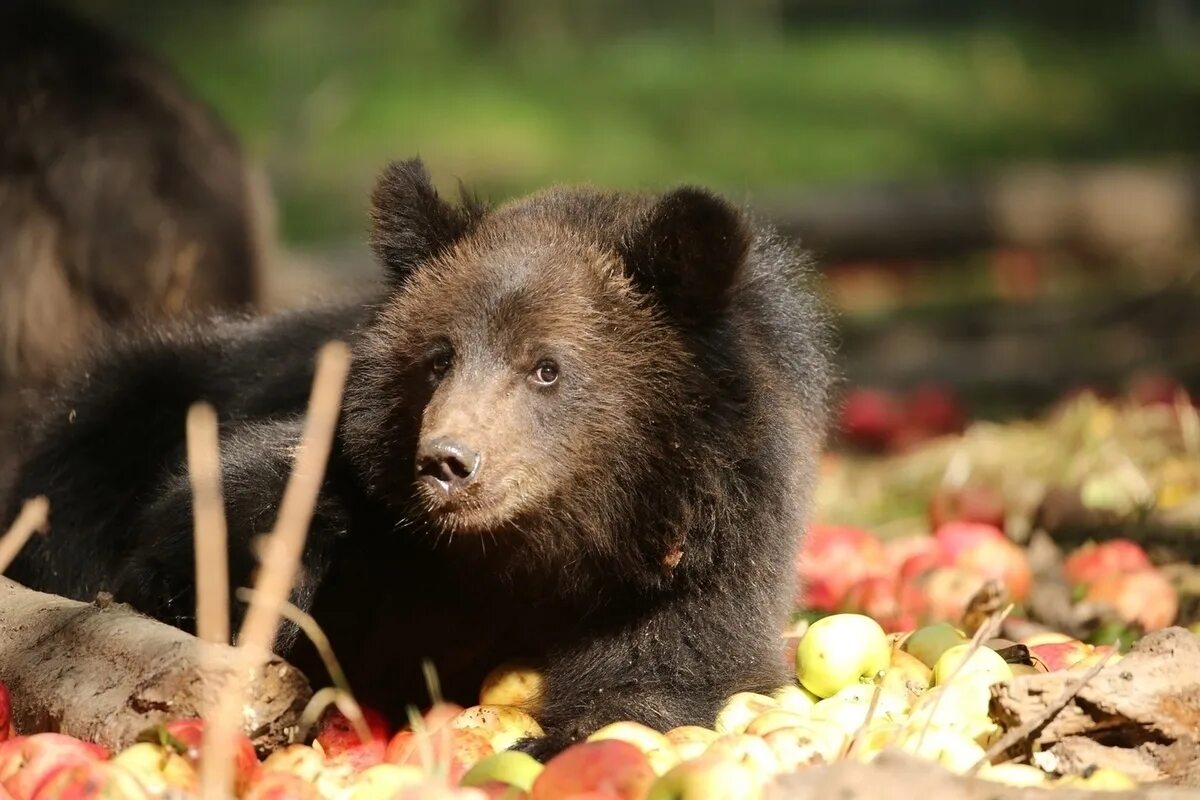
[1152, 695]
[104, 673]
[894, 774]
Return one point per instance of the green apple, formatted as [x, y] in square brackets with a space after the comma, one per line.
[962, 662]
[508, 766]
[705, 778]
[839, 651]
[928, 643]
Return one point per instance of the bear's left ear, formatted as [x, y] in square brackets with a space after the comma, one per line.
[410, 223]
[686, 251]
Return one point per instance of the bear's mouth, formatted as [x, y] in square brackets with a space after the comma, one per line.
[472, 512]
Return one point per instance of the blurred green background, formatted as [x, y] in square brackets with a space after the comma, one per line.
[750, 96]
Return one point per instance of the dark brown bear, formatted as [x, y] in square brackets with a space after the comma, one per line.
[581, 427]
[121, 196]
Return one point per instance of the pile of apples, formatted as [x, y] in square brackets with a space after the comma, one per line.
[903, 583]
[858, 691]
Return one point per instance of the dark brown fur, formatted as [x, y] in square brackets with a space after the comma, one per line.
[632, 525]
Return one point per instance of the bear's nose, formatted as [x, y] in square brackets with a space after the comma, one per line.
[449, 464]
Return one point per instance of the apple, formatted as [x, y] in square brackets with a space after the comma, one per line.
[774, 719]
[186, 736]
[1092, 562]
[906, 673]
[160, 769]
[740, 710]
[436, 788]
[935, 409]
[340, 742]
[948, 591]
[961, 661]
[877, 596]
[832, 558]
[690, 741]
[503, 726]
[277, 785]
[657, 747]
[814, 742]
[26, 762]
[848, 709]
[961, 705]
[839, 651]
[750, 751]
[1046, 637]
[513, 683]
[870, 417]
[956, 536]
[792, 697]
[447, 749]
[508, 767]
[308, 763]
[383, 781]
[706, 778]
[955, 751]
[928, 643]
[6, 726]
[1144, 597]
[86, 780]
[1098, 653]
[1001, 559]
[611, 767]
[1060, 655]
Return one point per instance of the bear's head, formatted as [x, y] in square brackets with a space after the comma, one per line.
[556, 375]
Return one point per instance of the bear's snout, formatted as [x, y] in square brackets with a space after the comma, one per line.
[447, 464]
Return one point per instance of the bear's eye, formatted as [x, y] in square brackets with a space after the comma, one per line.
[440, 363]
[545, 373]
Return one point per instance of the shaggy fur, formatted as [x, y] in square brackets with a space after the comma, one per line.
[632, 523]
[121, 196]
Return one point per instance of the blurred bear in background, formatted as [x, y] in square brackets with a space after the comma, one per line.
[122, 197]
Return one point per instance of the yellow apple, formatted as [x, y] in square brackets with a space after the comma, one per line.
[502, 726]
[962, 662]
[514, 683]
[706, 778]
[658, 748]
[839, 651]
[740, 709]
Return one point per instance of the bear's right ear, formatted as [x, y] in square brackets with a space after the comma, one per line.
[410, 223]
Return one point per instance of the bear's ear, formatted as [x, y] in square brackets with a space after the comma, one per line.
[410, 223]
[686, 251]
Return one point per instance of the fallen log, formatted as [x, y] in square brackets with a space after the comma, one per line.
[1141, 713]
[104, 673]
[894, 774]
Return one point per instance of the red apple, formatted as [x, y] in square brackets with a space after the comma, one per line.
[947, 591]
[935, 409]
[870, 417]
[832, 558]
[1093, 562]
[878, 597]
[1001, 559]
[611, 767]
[91, 780]
[188, 734]
[6, 728]
[28, 762]
[1145, 597]
[341, 743]
[272, 785]
[955, 537]
[1060, 655]
[1153, 388]
[454, 750]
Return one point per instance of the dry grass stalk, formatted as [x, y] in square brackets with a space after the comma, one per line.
[280, 563]
[33, 518]
[208, 511]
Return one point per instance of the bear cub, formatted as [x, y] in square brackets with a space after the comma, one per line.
[581, 427]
